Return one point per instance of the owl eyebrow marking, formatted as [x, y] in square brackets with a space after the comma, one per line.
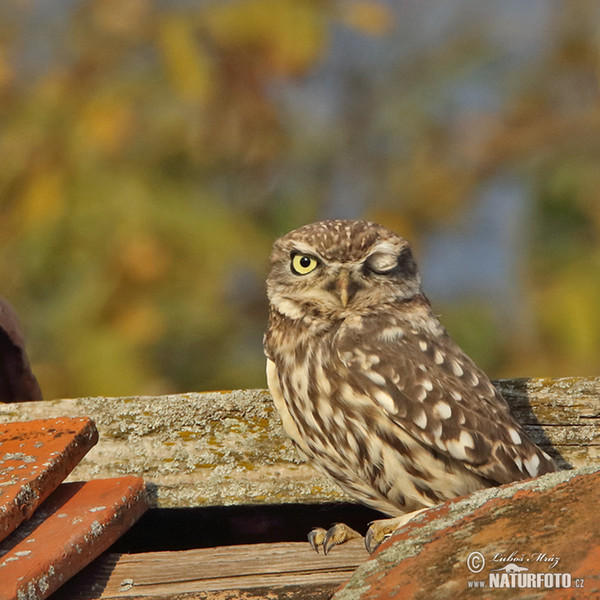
[301, 248]
[384, 247]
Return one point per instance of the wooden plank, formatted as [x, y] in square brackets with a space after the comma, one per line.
[227, 448]
[204, 573]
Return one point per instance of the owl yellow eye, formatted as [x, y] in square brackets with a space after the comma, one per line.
[302, 264]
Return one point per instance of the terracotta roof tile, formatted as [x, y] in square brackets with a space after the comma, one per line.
[77, 523]
[35, 457]
[529, 539]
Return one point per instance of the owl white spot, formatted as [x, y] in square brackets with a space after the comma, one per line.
[385, 401]
[376, 450]
[352, 442]
[438, 357]
[351, 397]
[323, 384]
[347, 357]
[467, 439]
[474, 379]
[389, 334]
[423, 345]
[354, 322]
[325, 409]
[373, 359]
[427, 384]
[457, 448]
[340, 420]
[456, 395]
[422, 394]
[375, 377]
[532, 465]
[457, 369]
[366, 360]
[514, 436]
[442, 409]
[441, 444]
[420, 419]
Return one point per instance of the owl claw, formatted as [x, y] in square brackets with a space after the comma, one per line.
[374, 536]
[337, 534]
[316, 537]
[382, 529]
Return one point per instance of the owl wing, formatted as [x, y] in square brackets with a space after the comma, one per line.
[430, 388]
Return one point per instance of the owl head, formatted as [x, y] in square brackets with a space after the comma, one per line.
[338, 268]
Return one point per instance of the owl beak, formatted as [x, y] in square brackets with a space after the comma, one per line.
[342, 287]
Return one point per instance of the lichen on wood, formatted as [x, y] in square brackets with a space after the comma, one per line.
[224, 448]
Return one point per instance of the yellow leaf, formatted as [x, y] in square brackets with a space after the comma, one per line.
[43, 198]
[371, 18]
[125, 18]
[290, 34]
[7, 73]
[107, 124]
[188, 66]
[141, 323]
[143, 259]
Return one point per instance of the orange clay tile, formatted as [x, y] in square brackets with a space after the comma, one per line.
[77, 523]
[547, 525]
[35, 457]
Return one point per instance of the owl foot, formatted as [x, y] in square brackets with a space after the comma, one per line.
[381, 529]
[327, 539]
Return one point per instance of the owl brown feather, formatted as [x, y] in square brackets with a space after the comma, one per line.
[370, 386]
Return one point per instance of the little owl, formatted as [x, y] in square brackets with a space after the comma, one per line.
[371, 388]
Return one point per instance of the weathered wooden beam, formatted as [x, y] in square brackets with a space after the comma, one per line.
[202, 449]
[290, 570]
[561, 415]
[226, 448]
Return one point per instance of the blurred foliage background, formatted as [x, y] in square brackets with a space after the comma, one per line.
[152, 150]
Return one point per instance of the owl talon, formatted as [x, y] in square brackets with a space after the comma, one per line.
[375, 536]
[337, 534]
[382, 529]
[316, 538]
